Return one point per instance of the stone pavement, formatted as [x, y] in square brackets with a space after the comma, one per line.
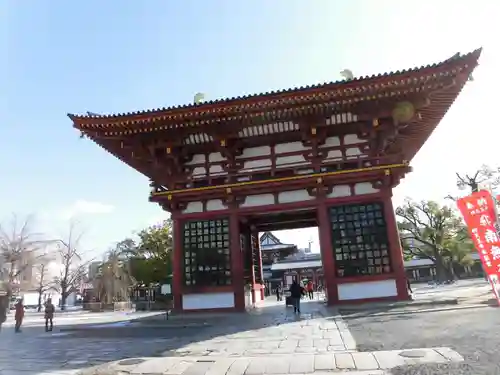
[34, 351]
[348, 363]
[272, 335]
[273, 330]
[65, 318]
[469, 291]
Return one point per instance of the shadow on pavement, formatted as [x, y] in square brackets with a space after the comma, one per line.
[74, 346]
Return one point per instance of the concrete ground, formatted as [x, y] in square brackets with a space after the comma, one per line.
[267, 340]
[473, 333]
[470, 291]
[71, 318]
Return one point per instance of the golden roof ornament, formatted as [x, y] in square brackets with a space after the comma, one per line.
[199, 98]
[347, 74]
[403, 112]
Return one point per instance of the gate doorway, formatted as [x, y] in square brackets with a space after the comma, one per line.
[282, 254]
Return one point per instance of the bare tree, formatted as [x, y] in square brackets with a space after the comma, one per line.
[113, 280]
[19, 249]
[44, 280]
[472, 182]
[73, 267]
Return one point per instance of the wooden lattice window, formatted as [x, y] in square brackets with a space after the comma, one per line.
[359, 235]
[207, 253]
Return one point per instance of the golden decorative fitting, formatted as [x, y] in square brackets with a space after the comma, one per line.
[223, 142]
[403, 112]
[375, 122]
[319, 180]
[169, 197]
[387, 172]
[169, 150]
[228, 190]
[313, 131]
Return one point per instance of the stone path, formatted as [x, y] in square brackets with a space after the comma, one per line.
[274, 330]
[271, 340]
[352, 363]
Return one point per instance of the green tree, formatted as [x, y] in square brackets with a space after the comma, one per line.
[431, 231]
[126, 248]
[150, 257]
[459, 249]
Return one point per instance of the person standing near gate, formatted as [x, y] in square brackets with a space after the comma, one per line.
[49, 315]
[408, 286]
[279, 293]
[19, 315]
[310, 290]
[296, 293]
[4, 305]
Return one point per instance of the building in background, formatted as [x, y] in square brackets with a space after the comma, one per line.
[309, 267]
[25, 279]
[301, 266]
[273, 250]
[422, 270]
[94, 268]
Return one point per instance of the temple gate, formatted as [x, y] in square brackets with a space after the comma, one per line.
[326, 156]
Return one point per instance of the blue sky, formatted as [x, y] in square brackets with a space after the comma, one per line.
[118, 56]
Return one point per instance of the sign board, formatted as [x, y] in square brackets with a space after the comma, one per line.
[480, 216]
[166, 289]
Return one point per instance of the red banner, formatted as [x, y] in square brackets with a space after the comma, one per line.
[479, 212]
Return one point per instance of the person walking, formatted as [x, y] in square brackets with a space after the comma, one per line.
[296, 293]
[4, 302]
[4, 306]
[310, 290]
[408, 285]
[19, 315]
[49, 315]
[279, 293]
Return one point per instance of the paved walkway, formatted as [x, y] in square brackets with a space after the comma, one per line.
[269, 340]
[273, 329]
[342, 363]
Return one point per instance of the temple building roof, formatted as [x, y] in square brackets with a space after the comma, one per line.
[269, 242]
[357, 89]
[409, 104]
[313, 263]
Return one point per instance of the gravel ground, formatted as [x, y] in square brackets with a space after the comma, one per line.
[473, 333]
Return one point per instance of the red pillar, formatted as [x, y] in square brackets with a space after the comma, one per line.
[177, 266]
[395, 247]
[237, 270]
[327, 253]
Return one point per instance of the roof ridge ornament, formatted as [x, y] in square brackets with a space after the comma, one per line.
[347, 74]
[199, 98]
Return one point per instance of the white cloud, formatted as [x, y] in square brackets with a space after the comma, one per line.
[83, 207]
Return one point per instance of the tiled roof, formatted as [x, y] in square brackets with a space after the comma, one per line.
[239, 105]
[271, 237]
[296, 265]
[276, 247]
